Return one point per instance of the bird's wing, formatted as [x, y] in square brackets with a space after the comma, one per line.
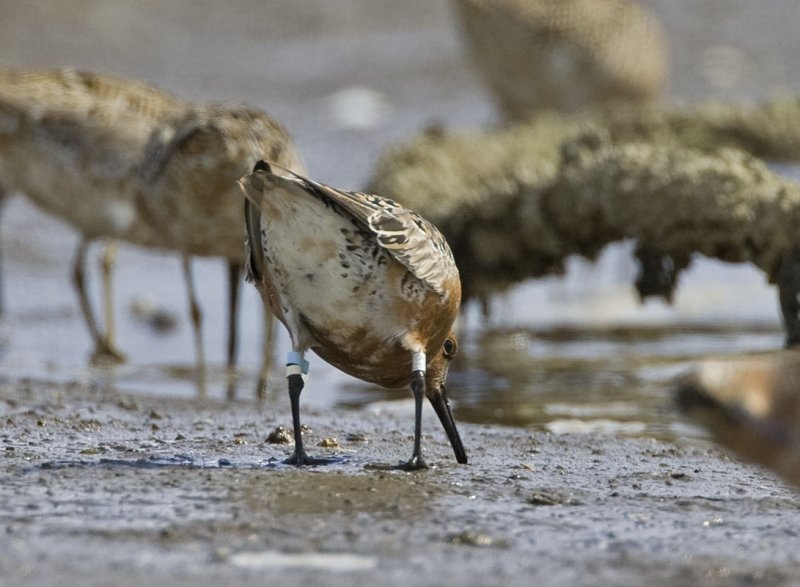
[410, 239]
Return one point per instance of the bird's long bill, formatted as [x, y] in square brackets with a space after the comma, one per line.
[442, 408]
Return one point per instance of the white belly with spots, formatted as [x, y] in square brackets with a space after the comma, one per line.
[327, 271]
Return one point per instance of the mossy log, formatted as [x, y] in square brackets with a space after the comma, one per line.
[515, 203]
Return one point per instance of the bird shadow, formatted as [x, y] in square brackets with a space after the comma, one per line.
[184, 462]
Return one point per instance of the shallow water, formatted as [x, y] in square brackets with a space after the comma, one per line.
[557, 356]
[561, 354]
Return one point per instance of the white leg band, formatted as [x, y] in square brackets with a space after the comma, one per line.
[418, 362]
[294, 370]
[296, 364]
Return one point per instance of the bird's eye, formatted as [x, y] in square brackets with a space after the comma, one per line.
[450, 348]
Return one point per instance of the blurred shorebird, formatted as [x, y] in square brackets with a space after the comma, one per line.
[71, 142]
[368, 285]
[190, 168]
[120, 159]
[565, 55]
[749, 405]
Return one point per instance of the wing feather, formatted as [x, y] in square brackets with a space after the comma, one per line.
[410, 239]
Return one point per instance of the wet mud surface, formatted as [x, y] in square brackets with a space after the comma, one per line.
[98, 484]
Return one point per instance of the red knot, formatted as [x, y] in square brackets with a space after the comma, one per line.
[368, 285]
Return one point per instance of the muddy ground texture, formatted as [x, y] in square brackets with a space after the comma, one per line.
[186, 492]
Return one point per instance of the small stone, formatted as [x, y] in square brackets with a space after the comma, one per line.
[221, 555]
[279, 436]
[356, 437]
[329, 442]
[548, 498]
[150, 312]
[470, 538]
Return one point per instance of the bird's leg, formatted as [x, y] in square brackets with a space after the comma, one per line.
[107, 262]
[101, 349]
[267, 354]
[416, 462]
[79, 280]
[789, 294]
[658, 274]
[296, 368]
[234, 281]
[106, 268]
[3, 196]
[418, 387]
[197, 319]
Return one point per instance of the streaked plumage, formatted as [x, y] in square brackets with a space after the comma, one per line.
[359, 279]
[71, 141]
[565, 55]
[189, 170]
[121, 159]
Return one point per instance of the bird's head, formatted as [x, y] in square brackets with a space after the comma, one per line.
[436, 390]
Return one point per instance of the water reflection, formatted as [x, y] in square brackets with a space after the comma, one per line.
[525, 371]
[602, 380]
[615, 380]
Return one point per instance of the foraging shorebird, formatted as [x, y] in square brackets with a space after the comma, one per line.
[564, 55]
[120, 159]
[368, 285]
[191, 165]
[750, 405]
[71, 142]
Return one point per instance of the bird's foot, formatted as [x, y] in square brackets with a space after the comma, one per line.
[261, 389]
[105, 354]
[230, 391]
[301, 459]
[416, 463]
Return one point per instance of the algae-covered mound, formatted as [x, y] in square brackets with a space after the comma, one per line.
[515, 202]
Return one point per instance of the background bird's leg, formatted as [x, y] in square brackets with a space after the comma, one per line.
[197, 320]
[789, 295]
[3, 197]
[109, 338]
[79, 280]
[234, 283]
[101, 349]
[267, 355]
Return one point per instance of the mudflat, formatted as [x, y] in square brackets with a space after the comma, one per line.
[98, 487]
